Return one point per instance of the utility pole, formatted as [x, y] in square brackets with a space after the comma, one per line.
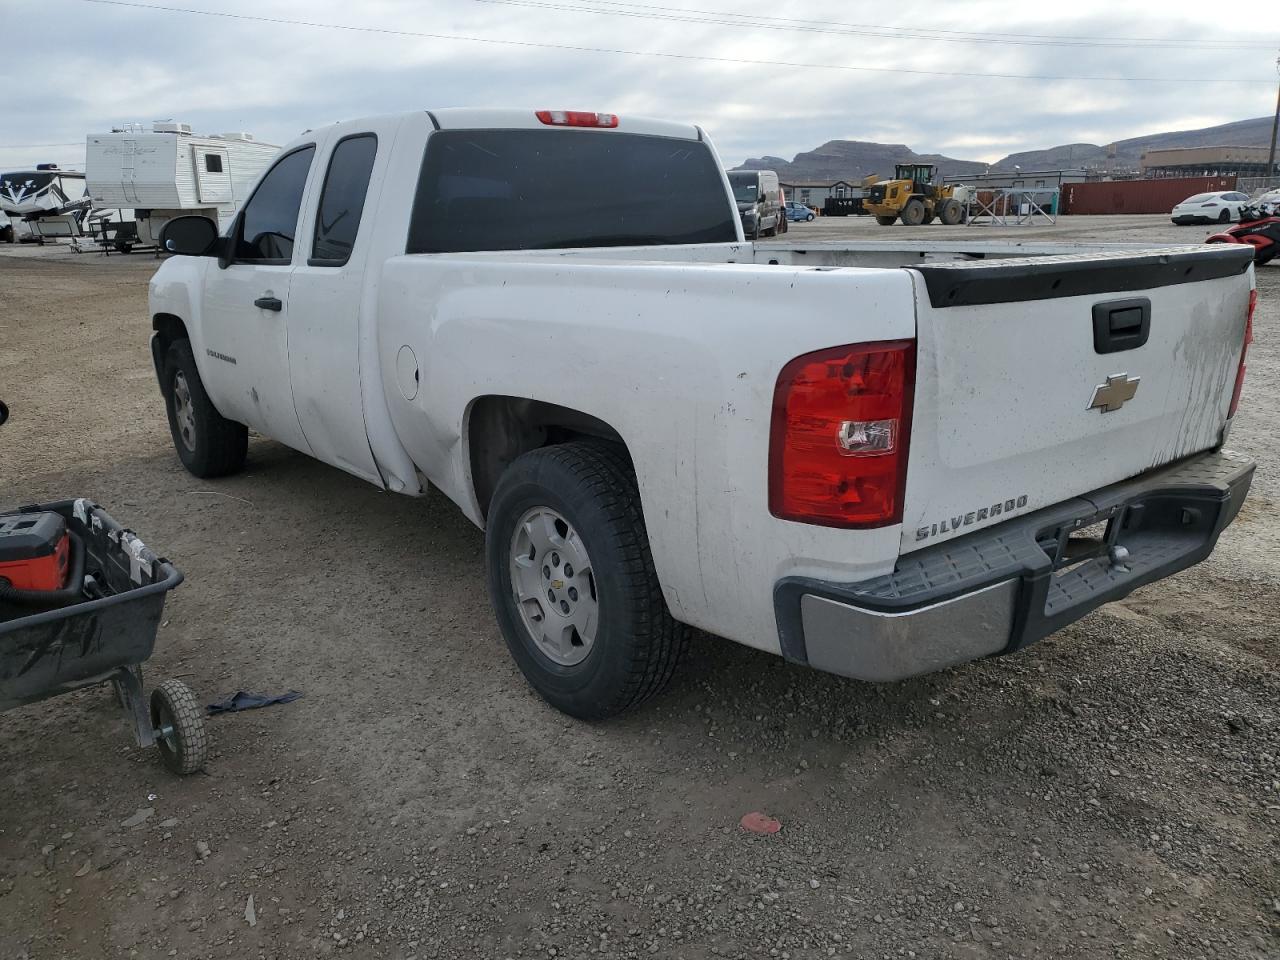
[1275, 125]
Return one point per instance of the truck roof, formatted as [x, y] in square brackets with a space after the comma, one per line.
[483, 118]
[470, 118]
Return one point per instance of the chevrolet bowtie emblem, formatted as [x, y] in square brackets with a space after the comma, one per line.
[1115, 393]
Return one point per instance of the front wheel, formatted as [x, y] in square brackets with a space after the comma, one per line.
[1224, 216]
[208, 444]
[913, 214]
[808, 218]
[572, 581]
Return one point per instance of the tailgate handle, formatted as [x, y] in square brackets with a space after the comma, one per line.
[1121, 324]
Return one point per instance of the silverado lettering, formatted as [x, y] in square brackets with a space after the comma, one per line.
[970, 518]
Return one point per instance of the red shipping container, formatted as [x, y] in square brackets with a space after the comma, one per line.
[1138, 196]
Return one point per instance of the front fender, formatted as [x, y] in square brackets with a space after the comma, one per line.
[174, 291]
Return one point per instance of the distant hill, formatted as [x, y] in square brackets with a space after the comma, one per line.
[1241, 133]
[853, 159]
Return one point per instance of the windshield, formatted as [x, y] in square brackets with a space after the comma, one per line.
[547, 189]
[746, 188]
[24, 181]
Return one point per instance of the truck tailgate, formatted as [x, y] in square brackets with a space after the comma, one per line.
[1036, 382]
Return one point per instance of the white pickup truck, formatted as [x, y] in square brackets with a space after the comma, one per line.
[877, 459]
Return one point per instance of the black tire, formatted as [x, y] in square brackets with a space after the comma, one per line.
[951, 213]
[638, 643]
[886, 221]
[213, 446]
[913, 214]
[1224, 216]
[175, 713]
[808, 218]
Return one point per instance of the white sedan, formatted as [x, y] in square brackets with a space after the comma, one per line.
[1222, 207]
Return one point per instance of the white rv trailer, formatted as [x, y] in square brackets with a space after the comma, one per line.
[168, 172]
[46, 201]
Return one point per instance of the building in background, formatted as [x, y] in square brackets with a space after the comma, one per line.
[1020, 179]
[1205, 162]
[814, 193]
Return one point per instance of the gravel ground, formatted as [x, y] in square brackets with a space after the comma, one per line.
[1111, 792]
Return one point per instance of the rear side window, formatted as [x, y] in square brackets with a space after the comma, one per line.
[342, 200]
[270, 219]
[213, 163]
[543, 189]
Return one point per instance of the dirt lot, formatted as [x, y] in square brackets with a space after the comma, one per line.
[1112, 792]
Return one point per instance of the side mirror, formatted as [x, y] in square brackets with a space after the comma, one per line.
[189, 236]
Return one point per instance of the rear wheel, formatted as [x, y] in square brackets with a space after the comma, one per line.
[913, 214]
[573, 584]
[886, 221]
[950, 213]
[208, 444]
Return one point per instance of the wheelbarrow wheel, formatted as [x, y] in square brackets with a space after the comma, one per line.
[179, 725]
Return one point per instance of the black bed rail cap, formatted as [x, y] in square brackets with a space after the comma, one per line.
[974, 282]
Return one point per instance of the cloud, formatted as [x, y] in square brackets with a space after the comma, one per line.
[276, 79]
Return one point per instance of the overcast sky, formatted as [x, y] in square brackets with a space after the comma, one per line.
[106, 65]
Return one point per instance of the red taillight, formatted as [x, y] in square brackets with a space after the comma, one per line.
[1244, 349]
[841, 424]
[577, 118]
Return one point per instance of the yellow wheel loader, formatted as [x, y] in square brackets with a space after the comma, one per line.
[912, 197]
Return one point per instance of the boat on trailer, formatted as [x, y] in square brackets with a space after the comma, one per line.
[48, 203]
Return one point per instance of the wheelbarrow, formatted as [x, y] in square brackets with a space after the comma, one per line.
[103, 633]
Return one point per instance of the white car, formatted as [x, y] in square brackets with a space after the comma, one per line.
[1221, 207]
[947, 451]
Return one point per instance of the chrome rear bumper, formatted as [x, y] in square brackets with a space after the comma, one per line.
[998, 590]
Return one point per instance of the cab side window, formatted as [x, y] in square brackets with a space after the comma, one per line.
[270, 219]
[342, 200]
